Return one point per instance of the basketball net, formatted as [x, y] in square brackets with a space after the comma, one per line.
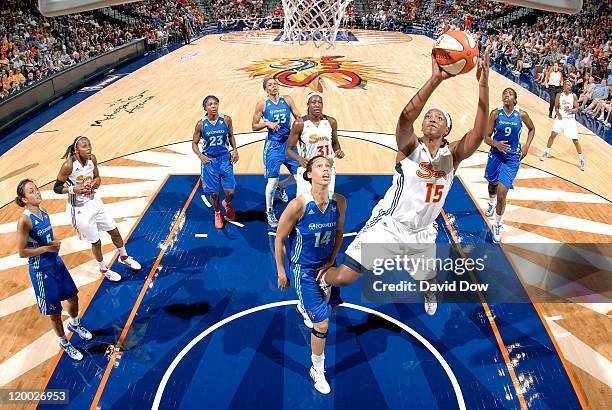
[313, 20]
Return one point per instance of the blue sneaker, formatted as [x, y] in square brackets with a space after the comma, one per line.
[81, 331]
[490, 210]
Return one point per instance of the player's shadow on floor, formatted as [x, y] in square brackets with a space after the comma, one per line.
[346, 331]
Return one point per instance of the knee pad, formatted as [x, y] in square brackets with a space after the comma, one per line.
[492, 188]
[320, 335]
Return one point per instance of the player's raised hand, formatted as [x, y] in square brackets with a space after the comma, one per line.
[438, 73]
[339, 153]
[482, 69]
[303, 162]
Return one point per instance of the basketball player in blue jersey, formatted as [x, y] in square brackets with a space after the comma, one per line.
[314, 223]
[425, 168]
[504, 134]
[274, 113]
[50, 279]
[217, 133]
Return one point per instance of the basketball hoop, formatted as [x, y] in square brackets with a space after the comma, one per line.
[313, 20]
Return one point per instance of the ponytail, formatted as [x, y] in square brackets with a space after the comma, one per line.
[71, 149]
[21, 192]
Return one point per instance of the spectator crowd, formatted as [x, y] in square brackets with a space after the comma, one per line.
[33, 47]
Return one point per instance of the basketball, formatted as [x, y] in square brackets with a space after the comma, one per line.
[456, 52]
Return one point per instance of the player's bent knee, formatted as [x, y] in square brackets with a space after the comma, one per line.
[321, 334]
[492, 188]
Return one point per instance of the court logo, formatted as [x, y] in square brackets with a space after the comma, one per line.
[309, 71]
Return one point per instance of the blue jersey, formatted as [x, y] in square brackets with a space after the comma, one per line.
[312, 240]
[40, 235]
[508, 128]
[279, 113]
[215, 137]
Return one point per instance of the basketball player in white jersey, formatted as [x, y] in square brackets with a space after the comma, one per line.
[425, 168]
[566, 107]
[317, 134]
[79, 178]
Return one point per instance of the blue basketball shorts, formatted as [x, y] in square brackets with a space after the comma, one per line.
[218, 174]
[310, 294]
[274, 156]
[502, 168]
[52, 284]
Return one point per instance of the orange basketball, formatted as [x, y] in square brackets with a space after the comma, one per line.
[456, 52]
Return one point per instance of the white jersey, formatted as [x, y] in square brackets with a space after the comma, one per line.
[566, 103]
[419, 189]
[316, 140]
[81, 175]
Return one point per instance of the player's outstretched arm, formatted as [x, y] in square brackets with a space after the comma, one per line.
[404, 131]
[286, 223]
[470, 142]
[296, 131]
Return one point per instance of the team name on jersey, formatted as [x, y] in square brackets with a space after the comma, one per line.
[502, 122]
[42, 232]
[215, 132]
[278, 110]
[313, 226]
[313, 139]
[429, 171]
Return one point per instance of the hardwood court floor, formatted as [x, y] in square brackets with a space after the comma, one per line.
[159, 104]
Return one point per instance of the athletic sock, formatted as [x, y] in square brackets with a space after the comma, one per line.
[102, 265]
[74, 321]
[318, 362]
[63, 340]
[122, 251]
[270, 190]
[498, 219]
[581, 157]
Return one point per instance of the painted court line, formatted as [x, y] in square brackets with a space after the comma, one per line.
[145, 287]
[412, 332]
[235, 223]
[350, 234]
[205, 200]
[201, 235]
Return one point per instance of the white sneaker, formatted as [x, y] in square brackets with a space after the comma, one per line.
[544, 156]
[282, 194]
[490, 210]
[71, 351]
[318, 378]
[582, 164]
[110, 275]
[497, 230]
[272, 221]
[431, 302]
[130, 262]
[81, 331]
[302, 312]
